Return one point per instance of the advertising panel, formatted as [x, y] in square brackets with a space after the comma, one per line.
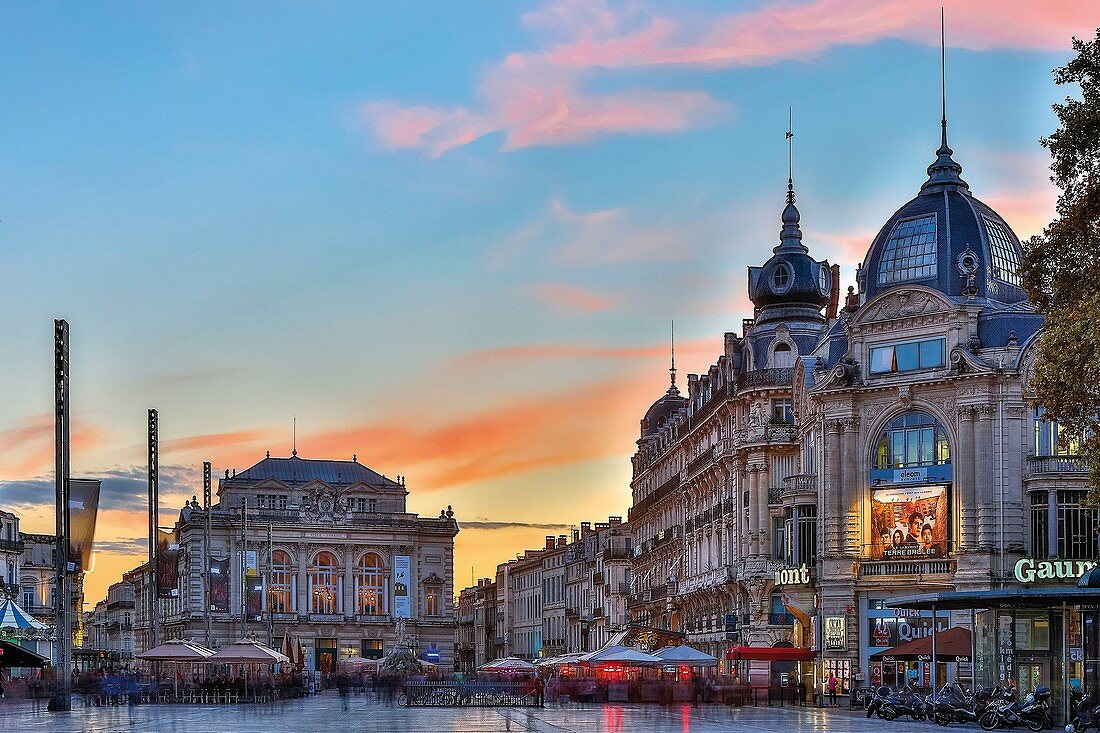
[83, 508]
[219, 585]
[909, 522]
[887, 632]
[168, 569]
[402, 607]
[836, 633]
[254, 596]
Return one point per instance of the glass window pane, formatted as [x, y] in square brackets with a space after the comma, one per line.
[882, 360]
[912, 447]
[927, 444]
[931, 354]
[907, 358]
[898, 449]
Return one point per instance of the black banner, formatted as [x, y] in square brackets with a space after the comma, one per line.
[83, 508]
[168, 568]
[219, 585]
[254, 597]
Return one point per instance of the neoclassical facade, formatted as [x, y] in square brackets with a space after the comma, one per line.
[839, 455]
[331, 555]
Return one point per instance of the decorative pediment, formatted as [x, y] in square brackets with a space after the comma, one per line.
[903, 303]
[432, 579]
[322, 503]
[965, 361]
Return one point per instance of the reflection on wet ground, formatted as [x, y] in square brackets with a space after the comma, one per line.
[323, 714]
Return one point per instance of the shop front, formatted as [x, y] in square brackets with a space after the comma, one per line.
[888, 628]
[1026, 638]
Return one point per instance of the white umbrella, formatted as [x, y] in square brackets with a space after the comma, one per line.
[508, 664]
[622, 655]
[685, 656]
[14, 617]
[177, 650]
[247, 651]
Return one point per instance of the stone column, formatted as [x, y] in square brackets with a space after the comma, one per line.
[963, 463]
[832, 478]
[986, 505]
[851, 481]
[349, 581]
[764, 483]
[752, 482]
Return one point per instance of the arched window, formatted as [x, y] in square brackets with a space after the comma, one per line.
[281, 589]
[324, 584]
[910, 440]
[782, 356]
[370, 586]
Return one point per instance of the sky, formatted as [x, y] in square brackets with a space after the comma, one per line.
[450, 238]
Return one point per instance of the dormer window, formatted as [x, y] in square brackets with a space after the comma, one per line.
[781, 278]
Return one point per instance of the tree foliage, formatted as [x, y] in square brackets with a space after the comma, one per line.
[1061, 267]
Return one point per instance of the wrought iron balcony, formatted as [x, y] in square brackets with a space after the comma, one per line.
[16, 546]
[766, 378]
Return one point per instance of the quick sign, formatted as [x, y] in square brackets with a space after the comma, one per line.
[1030, 570]
[792, 576]
[836, 633]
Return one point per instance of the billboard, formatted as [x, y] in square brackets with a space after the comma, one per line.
[219, 585]
[168, 567]
[83, 508]
[909, 522]
[254, 596]
[402, 607]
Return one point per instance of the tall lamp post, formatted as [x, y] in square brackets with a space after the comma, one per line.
[62, 605]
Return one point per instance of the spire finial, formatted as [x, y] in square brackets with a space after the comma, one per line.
[943, 85]
[790, 154]
[294, 437]
[672, 369]
[944, 171]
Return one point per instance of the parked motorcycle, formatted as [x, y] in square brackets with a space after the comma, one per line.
[877, 697]
[1033, 711]
[1086, 715]
[903, 701]
[953, 705]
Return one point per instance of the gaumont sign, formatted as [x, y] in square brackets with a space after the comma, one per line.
[1030, 570]
[792, 576]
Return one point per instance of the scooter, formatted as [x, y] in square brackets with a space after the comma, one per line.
[1033, 711]
[1085, 715]
[904, 701]
[874, 702]
[953, 705]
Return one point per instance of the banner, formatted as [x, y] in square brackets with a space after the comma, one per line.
[254, 597]
[168, 569]
[219, 585]
[887, 632]
[909, 522]
[83, 508]
[402, 608]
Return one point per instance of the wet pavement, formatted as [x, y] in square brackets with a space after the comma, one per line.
[324, 714]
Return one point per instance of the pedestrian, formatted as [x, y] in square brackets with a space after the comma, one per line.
[342, 688]
[831, 686]
[696, 690]
[540, 689]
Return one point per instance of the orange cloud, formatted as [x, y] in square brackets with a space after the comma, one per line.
[217, 440]
[570, 298]
[28, 450]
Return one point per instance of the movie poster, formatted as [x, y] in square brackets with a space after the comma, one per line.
[909, 522]
[168, 569]
[83, 508]
[219, 585]
[254, 596]
[402, 568]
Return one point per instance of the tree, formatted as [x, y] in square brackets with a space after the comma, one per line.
[1061, 267]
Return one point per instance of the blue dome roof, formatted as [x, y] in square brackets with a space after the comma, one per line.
[945, 239]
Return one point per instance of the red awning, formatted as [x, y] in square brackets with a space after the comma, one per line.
[952, 645]
[772, 653]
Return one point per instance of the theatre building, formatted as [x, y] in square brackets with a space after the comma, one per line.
[323, 549]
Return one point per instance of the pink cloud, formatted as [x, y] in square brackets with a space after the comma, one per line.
[537, 98]
[571, 298]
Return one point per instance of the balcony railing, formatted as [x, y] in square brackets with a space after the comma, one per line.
[1056, 464]
[616, 553]
[572, 612]
[597, 578]
[801, 483]
[881, 568]
[619, 589]
[766, 378]
[775, 496]
[700, 462]
[665, 489]
[15, 546]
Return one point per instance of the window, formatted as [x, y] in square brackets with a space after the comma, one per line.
[1051, 439]
[370, 586]
[910, 252]
[28, 597]
[781, 278]
[280, 586]
[1040, 530]
[371, 648]
[913, 439]
[779, 538]
[782, 412]
[324, 581]
[782, 357]
[1076, 525]
[1006, 258]
[907, 357]
[431, 602]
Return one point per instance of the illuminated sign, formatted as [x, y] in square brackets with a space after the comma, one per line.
[1030, 570]
[792, 576]
[909, 522]
[836, 633]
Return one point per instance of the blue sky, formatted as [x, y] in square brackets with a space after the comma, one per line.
[415, 225]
